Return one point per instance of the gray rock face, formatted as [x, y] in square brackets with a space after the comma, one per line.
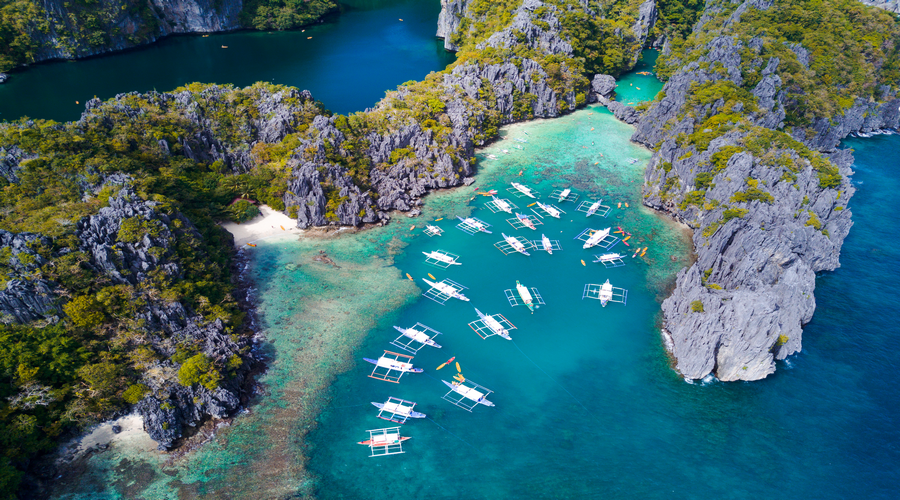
[275, 117]
[743, 303]
[131, 27]
[647, 17]
[889, 5]
[24, 298]
[602, 88]
[449, 20]
[409, 159]
[10, 160]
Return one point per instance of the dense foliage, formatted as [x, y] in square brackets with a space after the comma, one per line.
[28, 27]
[283, 14]
[54, 375]
[853, 51]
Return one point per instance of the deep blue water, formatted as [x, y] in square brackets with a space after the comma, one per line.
[348, 64]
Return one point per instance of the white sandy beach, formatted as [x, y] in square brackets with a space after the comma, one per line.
[132, 434]
[270, 223]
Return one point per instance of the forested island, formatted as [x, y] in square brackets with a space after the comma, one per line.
[120, 288]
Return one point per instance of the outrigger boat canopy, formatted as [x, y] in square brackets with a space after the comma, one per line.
[597, 238]
[513, 244]
[387, 441]
[523, 296]
[546, 244]
[500, 205]
[561, 195]
[397, 410]
[444, 291]
[441, 258]
[489, 325]
[520, 221]
[433, 230]
[590, 208]
[472, 225]
[551, 210]
[416, 337]
[391, 366]
[610, 260]
[467, 395]
[605, 293]
[518, 190]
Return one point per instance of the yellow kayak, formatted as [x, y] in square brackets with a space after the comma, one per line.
[438, 219]
[410, 277]
[626, 238]
[582, 262]
[432, 277]
[458, 368]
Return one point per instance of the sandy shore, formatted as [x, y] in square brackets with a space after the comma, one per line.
[268, 224]
[131, 434]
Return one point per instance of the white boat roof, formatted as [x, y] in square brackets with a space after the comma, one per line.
[393, 364]
[417, 335]
[397, 408]
[468, 392]
[385, 438]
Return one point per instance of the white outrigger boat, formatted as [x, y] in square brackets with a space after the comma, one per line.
[596, 238]
[442, 257]
[606, 293]
[493, 325]
[526, 296]
[549, 209]
[433, 230]
[418, 335]
[383, 442]
[610, 260]
[391, 366]
[502, 205]
[516, 244]
[475, 224]
[394, 410]
[471, 393]
[522, 189]
[593, 208]
[545, 242]
[525, 220]
[446, 289]
[564, 195]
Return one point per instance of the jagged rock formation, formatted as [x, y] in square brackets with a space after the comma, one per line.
[275, 114]
[452, 13]
[407, 158]
[66, 38]
[168, 406]
[766, 214]
[25, 298]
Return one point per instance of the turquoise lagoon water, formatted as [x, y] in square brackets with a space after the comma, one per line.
[587, 406]
[348, 64]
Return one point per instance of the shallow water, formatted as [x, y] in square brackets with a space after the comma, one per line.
[348, 64]
[587, 406]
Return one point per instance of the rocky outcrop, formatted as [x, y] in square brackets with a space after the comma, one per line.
[10, 159]
[767, 213]
[67, 35]
[889, 5]
[134, 259]
[270, 114]
[449, 20]
[602, 89]
[171, 408]
[25, 296]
